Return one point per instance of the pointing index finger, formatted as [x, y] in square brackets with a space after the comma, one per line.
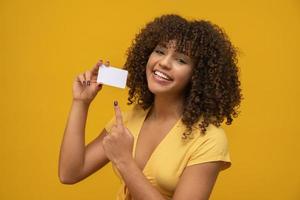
[118, 114]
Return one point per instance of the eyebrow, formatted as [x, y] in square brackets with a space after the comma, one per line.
[161, 46]
[176, 52]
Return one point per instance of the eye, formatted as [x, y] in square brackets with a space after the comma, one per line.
[158, 51]
[182, 61]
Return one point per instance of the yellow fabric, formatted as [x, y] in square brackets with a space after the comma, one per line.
[173, 154]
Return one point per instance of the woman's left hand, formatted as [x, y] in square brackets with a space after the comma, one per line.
[118, 144]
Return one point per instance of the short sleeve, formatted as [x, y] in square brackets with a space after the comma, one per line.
[211, 147]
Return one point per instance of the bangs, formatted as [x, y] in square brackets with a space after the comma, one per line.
[184, 41]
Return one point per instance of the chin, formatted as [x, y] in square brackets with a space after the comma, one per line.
[159, 90]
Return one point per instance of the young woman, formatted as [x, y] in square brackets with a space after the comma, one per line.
[183, 81]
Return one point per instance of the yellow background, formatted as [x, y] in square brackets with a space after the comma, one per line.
[45, 44]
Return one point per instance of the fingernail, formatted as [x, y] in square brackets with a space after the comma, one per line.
[88, 82]
[84, 82]
[115, 103]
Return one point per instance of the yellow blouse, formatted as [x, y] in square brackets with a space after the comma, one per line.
[173, 153]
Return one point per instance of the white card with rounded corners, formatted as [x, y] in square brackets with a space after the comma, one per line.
[112, 76]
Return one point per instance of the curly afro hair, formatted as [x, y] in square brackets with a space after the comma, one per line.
[214, 90]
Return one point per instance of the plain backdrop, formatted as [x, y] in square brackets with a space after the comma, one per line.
[45, 44]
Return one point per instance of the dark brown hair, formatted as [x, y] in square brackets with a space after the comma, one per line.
[213, 92]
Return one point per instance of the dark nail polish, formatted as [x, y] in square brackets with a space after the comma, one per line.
[88, 82]
[115, 103]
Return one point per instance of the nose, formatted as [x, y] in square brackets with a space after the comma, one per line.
[165, 62]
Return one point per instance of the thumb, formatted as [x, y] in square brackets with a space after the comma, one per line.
[99, 86]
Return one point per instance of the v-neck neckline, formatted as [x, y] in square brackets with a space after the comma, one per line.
[141, 123]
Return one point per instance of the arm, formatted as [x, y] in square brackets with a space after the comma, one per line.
[76, 161]
[197, 181]
[139, 186]
[118, 146]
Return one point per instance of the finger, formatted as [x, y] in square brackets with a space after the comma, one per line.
[95, 69]
[118, 114]
[107, 63]
[77, 79]
[98, 87]
[127, 131]
[96, 83]
[88, 77]
[82, 79]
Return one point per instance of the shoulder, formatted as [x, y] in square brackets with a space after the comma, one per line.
[211, 146]
[213, 133]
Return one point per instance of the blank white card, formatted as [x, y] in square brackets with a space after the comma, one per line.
[112, 76]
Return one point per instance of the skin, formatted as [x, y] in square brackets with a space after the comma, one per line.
[77, 161]
[178, 66]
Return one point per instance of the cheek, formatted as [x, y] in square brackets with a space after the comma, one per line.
[151, 60]
[150, 65]
[185, 75]
[148, 70]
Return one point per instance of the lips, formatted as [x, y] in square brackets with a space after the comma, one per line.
[162, 75]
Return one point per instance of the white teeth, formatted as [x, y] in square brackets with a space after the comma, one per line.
[162, 75]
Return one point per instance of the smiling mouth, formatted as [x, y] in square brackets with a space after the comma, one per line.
[162, 75]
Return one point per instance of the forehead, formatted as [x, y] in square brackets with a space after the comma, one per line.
[182, 48]
[168, 44]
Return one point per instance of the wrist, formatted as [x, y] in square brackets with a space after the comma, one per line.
[82, 103]
[123, 164]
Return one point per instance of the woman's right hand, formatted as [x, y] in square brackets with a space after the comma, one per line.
[85, 86]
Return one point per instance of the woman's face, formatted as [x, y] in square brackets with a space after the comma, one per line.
[168, 72]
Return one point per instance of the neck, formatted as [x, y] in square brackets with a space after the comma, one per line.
[166, 107]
